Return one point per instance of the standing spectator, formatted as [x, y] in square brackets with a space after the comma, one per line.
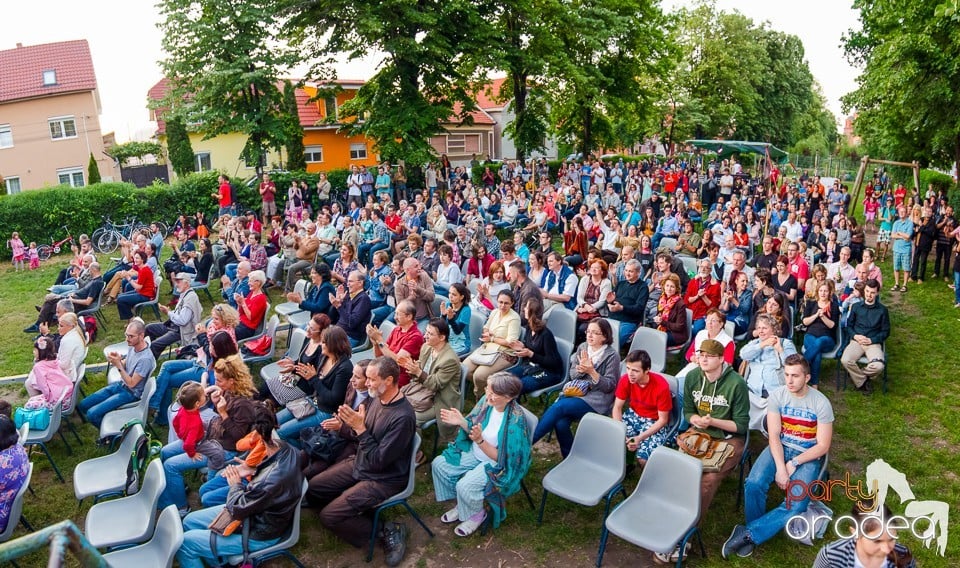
[926, 235]
[268, 193]
[224, 196]
[902, 235]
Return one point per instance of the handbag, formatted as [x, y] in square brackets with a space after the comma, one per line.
[482, 357]
[302, 408]
[37, 418]
[187, 352]
[576, 388]
[711, 453]
[259, 346]
[224, 524]
[321, 445]
[420, 397]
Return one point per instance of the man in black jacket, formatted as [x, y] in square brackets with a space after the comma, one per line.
[267, 503]
[868, 326]
[82, 299]
[349, 490]
[629, 300]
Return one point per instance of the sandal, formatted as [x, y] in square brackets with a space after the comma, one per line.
[470, 526]
[450, 516]
[903, 288]
[894, 289]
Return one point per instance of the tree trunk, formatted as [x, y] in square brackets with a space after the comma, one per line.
[587, 143]
[519, 79]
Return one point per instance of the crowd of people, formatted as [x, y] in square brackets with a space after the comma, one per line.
[705, 254]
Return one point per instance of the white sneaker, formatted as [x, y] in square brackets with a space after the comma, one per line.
[671, 557]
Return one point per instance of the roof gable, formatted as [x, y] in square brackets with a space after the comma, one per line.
[24, 67]
[488, 96]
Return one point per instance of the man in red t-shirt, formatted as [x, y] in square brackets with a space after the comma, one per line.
[899, 195]
[648, 413]
[268, 192]
[223, 196]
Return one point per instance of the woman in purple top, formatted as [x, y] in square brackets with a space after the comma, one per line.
[14, 465]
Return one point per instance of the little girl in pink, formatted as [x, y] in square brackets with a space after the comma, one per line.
[19, 251]
[34, 255]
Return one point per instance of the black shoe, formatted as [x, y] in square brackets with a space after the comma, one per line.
[867, 388]
[394, 540]
[32, 329]
[739, 543]
[37, 308]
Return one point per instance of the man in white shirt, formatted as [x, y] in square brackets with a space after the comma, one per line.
[559, 285]
[354, 181]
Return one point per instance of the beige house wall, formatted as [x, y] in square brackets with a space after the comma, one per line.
[35, 157]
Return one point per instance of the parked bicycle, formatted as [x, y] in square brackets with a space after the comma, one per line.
[107, 238]
[46, 251]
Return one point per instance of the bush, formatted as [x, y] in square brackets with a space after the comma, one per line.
[939, 181]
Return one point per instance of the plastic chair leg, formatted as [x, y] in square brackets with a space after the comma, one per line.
[417, 518]
[64, 438]
[529, 498]
[604, 534]
[74, 430]
[543, 504]
[43, 447]
[26, 524]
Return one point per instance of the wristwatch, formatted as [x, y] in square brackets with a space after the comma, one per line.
[795, 463]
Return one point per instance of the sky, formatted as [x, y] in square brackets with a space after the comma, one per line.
[125, 44]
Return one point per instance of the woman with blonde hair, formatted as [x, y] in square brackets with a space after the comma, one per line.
[73, 344]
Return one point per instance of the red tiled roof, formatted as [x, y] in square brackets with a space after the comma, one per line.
[488, 96]
[23, 69]
[479, 117]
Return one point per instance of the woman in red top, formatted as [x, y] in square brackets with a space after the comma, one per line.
[575, 243]
[479, 265]
[253, 307]
[143, 288]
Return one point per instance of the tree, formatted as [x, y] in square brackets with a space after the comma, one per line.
[135, 149]
[93, 171]
[433, 48]
[296, 159]
[178, 146]
[907, 99]
[224, 66]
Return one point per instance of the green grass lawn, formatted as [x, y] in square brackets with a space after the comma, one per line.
[909, 427]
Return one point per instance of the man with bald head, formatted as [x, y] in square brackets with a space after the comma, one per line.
[416, 286]
[307, 245]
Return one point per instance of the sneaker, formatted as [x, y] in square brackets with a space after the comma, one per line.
[671, 557]
[394, 541]
[184, 511]
[32, 329]
[867, 388]
[739, 543]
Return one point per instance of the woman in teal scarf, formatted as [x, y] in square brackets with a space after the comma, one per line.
[489, 458]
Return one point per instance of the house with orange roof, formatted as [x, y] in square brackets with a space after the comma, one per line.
[494, 101]
[50, 117]
[466, 136]
[325, 147]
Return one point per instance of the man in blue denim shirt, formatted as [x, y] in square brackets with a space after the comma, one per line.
[800, 423]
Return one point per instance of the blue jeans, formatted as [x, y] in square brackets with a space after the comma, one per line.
[290, 427]
[60, 289]
[214, 491]
[762, 524]
[559, 417]
[626, 332]
[126, 302]
[956, 285]
[697, 326]
[196, 541]
[382, 313]
[175, 463]
[99, 403]
[813, 349]
[172, 375]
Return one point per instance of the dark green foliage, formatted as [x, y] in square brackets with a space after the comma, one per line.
[179, 147]
[93, 171]
[296, 159]
[136, 149]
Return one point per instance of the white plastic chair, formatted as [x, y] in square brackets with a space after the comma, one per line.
[654, 342]
[159, 551]
[563, 323]
[128, 520]
[106, 475]
[287, 308]
[565, 348]
[283, 547]
[294, 346]
[41, 437]
[476, 330]
[597, 454]
[385, 329]
[668, 487]
[271, 332]
[113, 422]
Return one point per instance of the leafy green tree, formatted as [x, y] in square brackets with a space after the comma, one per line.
[93, 171]
[296, 159]
[179, 147]
[135, 149]
[908, 95]
[224, 66]
[433, 49]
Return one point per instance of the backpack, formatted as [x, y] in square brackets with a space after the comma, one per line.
[90, 327]
[145, 449]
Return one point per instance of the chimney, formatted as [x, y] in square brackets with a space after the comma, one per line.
[19, 44]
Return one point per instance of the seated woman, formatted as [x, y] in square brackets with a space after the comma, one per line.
[784, 282]
[448, 273]
[252, 308]
[47, 382]
[73, 345]
[292, 383]
[575, 243]
[821, 317]
[737, 304]
[874, 543]
[488, 288]
[479, 264]
[542, 364]
[434, 378]
[765, 355]
[715, 330]
[818, 275]
[590, 385]
[317, 300]
[592, 296]
[457, 313]
[648, 411]
[143, 286]
[269, 501]
[496, 354]
[672, 312]
[489, 458]
[236, 409]
[327, 382]
[14, 465]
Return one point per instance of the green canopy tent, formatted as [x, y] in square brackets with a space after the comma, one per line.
[725, 148]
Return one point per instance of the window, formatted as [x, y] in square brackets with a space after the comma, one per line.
[62, 127]
[13, 185]
[49, 77]
[201, 162]
[313, 154]
[358, 151]
[6, 136]
[250, 163]
[330, 108]
[71, 176]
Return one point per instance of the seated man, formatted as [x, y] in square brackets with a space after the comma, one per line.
[134, 369]
[81, 299]
[349, 490]
[306, 246]
[716, 402]
[648, 411]
[629, 301]
[184, 317]
[667, 226]
[800, 424]
[868, 326]
[239, 285]
[352, 307]
[268, 501]
[416, 286]
[559, 284]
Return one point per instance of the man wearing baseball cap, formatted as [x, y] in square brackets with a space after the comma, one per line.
[181, 327]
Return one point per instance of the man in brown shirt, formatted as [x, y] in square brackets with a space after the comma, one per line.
[417, 287]
[306, 255]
